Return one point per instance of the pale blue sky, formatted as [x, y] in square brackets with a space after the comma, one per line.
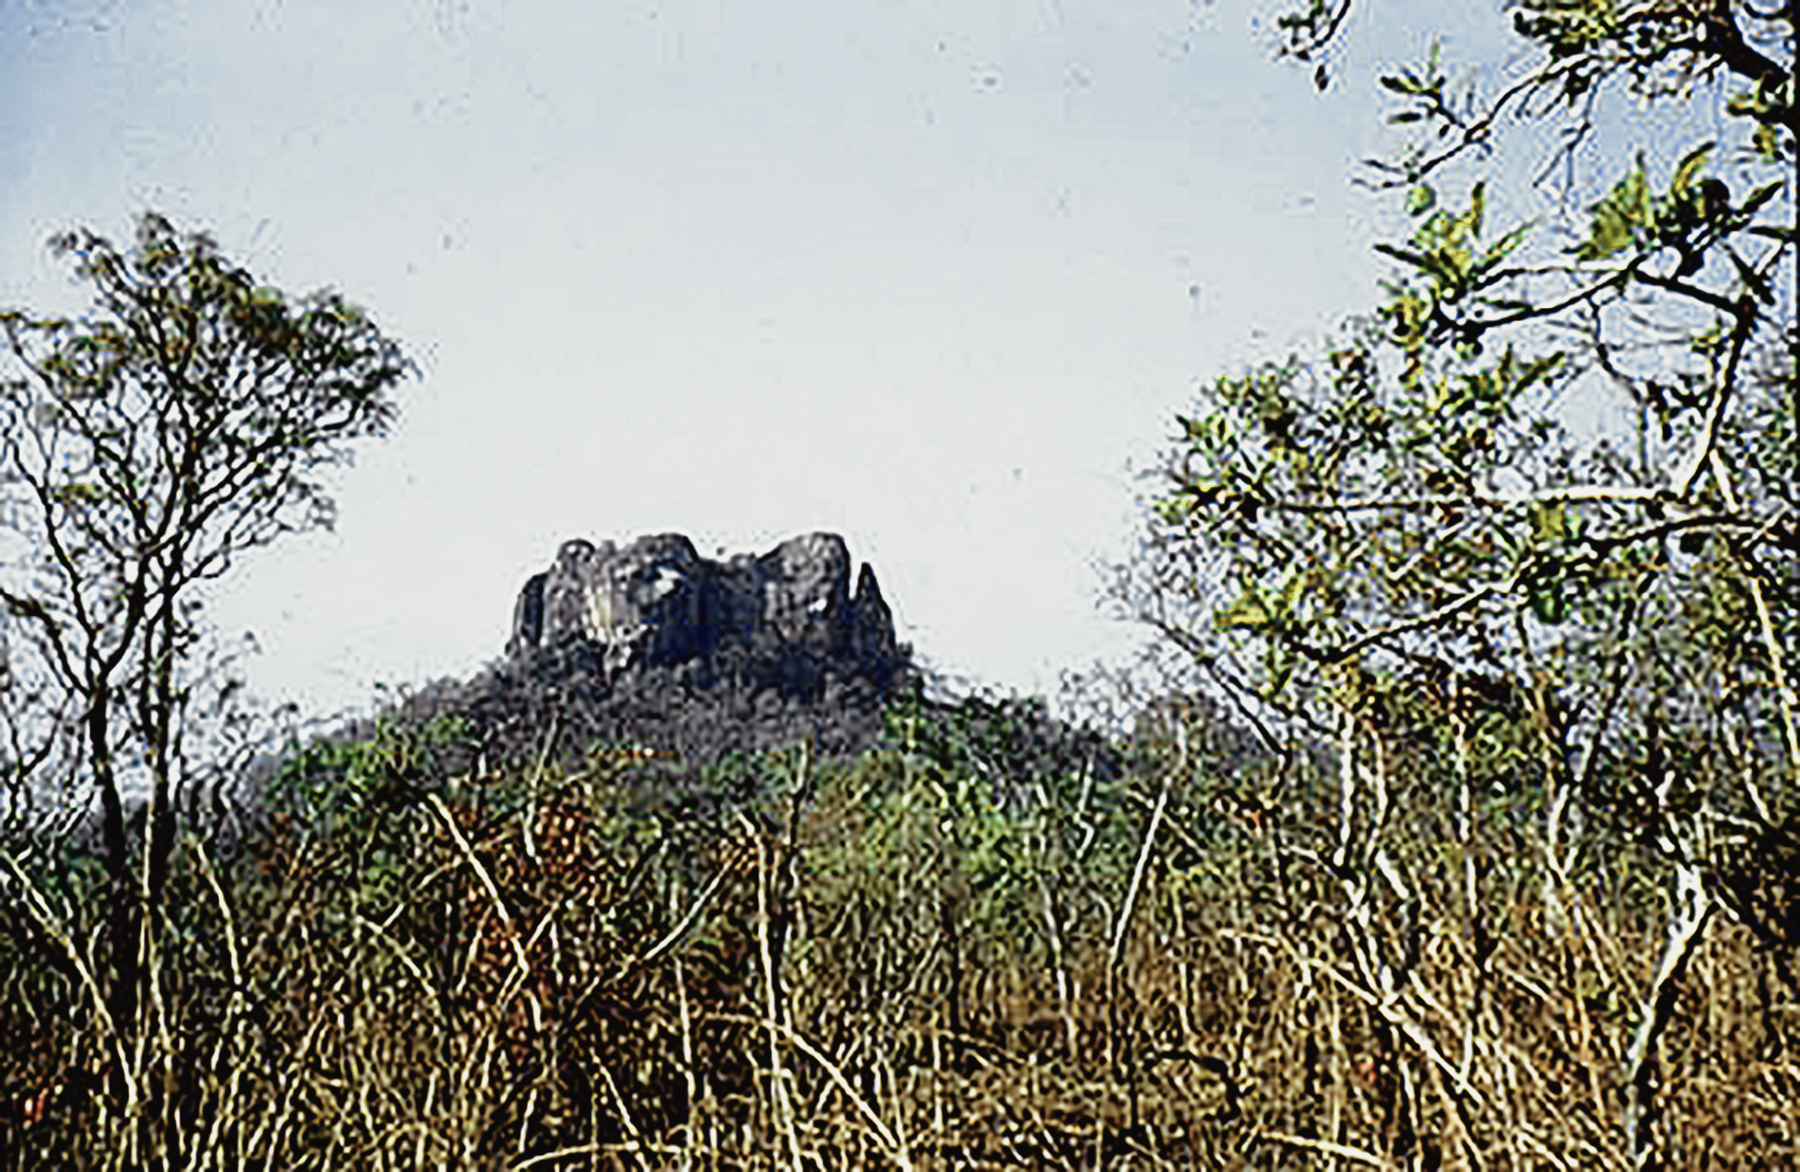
[928, 275]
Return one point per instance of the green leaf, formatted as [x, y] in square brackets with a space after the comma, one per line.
[1538, 369]
[1281, 669]
[1248, 613]
[1503, 248]
[1174, 510]
[1689, 167]
[1548, 602]
[1549, 522]
[1618, 217]
[1291, 591]
[1420, 199]
[1767, 141]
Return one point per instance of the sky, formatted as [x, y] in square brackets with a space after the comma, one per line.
[934, 276]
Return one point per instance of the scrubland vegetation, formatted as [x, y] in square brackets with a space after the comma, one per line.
[976, 948]
[1464, 833]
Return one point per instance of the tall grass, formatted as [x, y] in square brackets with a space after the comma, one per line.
[911, 961]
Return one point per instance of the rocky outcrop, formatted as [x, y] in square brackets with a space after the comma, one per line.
[650, 644]
[785, 619]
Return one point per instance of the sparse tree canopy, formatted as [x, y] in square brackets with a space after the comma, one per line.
[1561, 450]
[1552, 474]
[189, 416]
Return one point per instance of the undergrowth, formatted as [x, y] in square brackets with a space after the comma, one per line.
[971, 948]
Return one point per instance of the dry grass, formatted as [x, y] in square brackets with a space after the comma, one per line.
[549, 972]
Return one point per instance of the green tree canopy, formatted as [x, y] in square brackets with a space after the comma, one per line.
[190, 415]
[1550, 473]
[1559, 450]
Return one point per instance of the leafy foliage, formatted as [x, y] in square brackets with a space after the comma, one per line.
[1554, 466]
[191, 415]
[396, 764]
[1415, 500]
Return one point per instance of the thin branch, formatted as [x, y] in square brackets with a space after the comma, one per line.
[487, 880]
[1690, 910]
[729, 867]
[1326, 1146]
[1143, 859]
[1339, 654]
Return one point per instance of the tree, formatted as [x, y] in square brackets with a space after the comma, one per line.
[190, 416]
[1551, 476]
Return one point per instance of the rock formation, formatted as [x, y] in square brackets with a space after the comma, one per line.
[650, 644]
[787, 619]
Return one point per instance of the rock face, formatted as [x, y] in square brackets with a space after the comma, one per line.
[650, 644]
[785, 619]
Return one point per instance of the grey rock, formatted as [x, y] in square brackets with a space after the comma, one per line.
[785, 619]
